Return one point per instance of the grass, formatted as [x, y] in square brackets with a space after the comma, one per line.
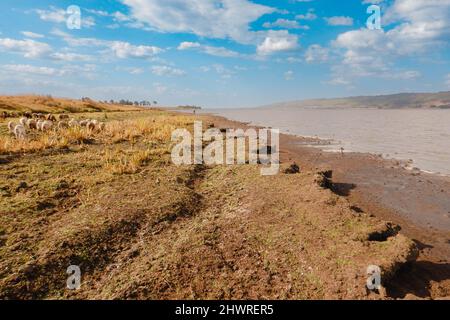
[45, 104]
[142, 228]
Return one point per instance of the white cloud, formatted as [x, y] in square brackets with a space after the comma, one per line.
[58, 15]
[310, 15]
[119, 49]
[29, 69]
[188, 45]
[131, 70]
[70, 56]
[339, 81]
[316, 53]
[284, 23]
[33, 35]
[29, 48]
[167, 71]
[207, 18]
[126, 50]
[277, 41]
[211, 50]
[417, 27]
[53, 15]
[222, 71]
[339, 21]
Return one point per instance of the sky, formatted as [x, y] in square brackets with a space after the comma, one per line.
[223, 53]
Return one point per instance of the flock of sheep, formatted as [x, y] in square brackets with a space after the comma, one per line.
[42, 122]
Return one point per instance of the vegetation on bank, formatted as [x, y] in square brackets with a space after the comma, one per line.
[140, 227]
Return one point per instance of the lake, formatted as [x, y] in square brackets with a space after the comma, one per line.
[422, 135]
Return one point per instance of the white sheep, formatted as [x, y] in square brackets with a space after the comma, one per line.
[31, 124]
[46, 125]
[39, 125]
[11, 126]
[90, 125]
[73, 123]
[20, 132]
[23, 121]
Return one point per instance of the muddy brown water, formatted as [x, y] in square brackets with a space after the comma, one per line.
[422, 135]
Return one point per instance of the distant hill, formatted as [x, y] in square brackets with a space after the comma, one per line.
[49, 104]
[439, 100]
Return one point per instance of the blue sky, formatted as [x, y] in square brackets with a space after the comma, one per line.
[223, 53]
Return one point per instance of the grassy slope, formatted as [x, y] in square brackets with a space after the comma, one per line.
[55, 105]
[140, 227]
[402, 100]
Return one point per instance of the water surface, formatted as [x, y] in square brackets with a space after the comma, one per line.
[422, 135]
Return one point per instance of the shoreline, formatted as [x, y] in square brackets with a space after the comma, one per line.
[386, 189]
[333, 145]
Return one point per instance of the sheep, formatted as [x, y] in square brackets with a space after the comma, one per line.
[20, 132]
[39, 125]
[95, 122]
[11, 126]
[73, 123]
[23, 121]
[46, 125]
[50, 117]
[31, 124]
[63, 116]
[90, 125]
[27, 115]
[62, 125]
[84, 123]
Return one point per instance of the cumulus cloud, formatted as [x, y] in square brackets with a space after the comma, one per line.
[411, 28]
[58, 15]
[310, 15]
[188, 45]
[284, 23]
[33, 35]
[85, 71]
[316, 54]
[119, 49]
[211, 50]
[28, 48]
[277, 41]
[339, 21]
[126, 50]
[167, 71]
[224, 19]
[70, 56]
[29, 69]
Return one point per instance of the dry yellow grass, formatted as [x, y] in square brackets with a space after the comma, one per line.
[153, 128]
[34, 103]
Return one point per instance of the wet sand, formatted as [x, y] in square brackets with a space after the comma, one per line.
[417, 201]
